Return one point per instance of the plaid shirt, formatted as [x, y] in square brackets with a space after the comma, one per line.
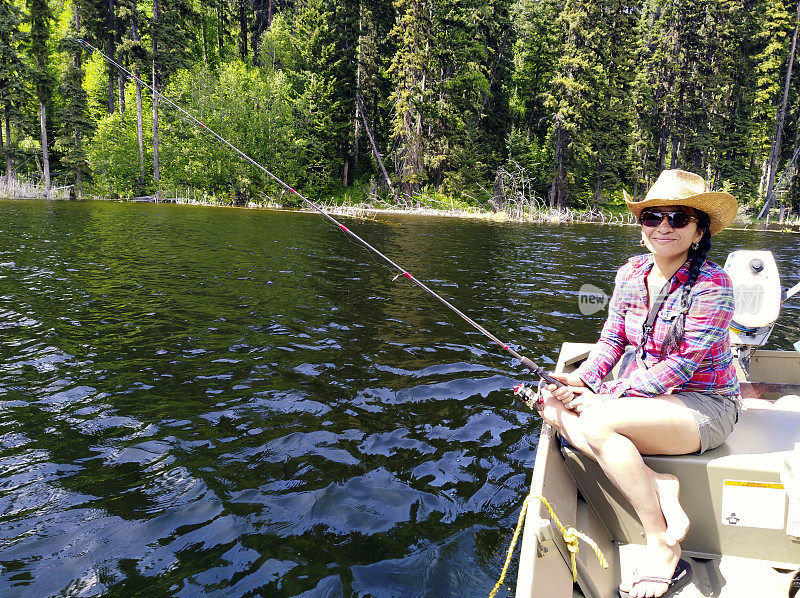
[702, 363]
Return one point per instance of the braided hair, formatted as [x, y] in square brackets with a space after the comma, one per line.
[697, 258]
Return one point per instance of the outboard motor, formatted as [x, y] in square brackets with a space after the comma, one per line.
[758, 296]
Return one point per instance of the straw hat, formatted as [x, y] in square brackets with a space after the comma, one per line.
[681, 188]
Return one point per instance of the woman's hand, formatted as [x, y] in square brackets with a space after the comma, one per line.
[568, 392]
[585, 398]
[575, 395]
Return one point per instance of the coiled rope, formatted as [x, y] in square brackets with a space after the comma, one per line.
[570, 535]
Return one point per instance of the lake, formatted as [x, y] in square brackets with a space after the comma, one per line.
[228, 402]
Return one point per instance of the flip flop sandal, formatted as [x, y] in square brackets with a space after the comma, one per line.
[681, 577]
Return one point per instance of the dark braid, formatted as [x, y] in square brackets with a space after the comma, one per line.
[697, 257]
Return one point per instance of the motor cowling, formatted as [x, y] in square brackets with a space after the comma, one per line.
[757, 295]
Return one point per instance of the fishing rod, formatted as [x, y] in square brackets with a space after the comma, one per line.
[526, 362]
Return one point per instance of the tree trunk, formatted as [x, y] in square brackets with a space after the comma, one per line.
[269, 12]
[676, 146]
[112, 80]
[378, 159]
[220, 19]
[357, 120]
[121, 89]
[45, 151]
[139, 119]
[555, 197]
[242, 29]
[663, 141]
[8, 142]
[156, 171]
[356, 138]
[77, 63]
[775, 152]
[112, 103]
[597, 197]
[204, 32]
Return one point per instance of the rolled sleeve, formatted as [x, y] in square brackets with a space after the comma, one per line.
[612, 342]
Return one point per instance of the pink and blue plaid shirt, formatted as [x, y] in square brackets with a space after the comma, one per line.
[702, 363]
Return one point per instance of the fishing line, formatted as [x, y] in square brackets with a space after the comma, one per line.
[527, 363]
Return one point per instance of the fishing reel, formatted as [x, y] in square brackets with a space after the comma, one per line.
[530, 396]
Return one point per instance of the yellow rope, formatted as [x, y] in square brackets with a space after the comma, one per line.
[570, 535]
[510, 553]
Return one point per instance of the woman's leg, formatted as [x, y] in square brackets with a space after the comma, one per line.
[568, 424]
[616, 433]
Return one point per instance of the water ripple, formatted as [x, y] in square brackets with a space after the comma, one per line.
[242, 403]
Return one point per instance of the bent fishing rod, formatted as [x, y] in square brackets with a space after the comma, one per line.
[526, 362]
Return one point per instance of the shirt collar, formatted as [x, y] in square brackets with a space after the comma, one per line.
[644, 263]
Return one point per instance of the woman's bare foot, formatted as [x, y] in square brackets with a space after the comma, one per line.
[668, 488]
[660, 560]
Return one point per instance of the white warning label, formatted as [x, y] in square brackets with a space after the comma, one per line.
[753, 504]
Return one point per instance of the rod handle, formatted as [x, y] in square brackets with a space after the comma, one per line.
[541, 372]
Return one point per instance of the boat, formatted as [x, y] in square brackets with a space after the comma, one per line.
[742, 498]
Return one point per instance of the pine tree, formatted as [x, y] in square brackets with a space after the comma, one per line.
[374, 52]
[774, 37]
[589, 98]
[40, 17]
[410, 71]
[13, 72]
[75, 125]
[775, 151]
[611, 124]
[691, 53]
[326, 81]
[134, 53]
[170, 45]
[466, 59]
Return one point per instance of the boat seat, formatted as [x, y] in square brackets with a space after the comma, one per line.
[742, 476]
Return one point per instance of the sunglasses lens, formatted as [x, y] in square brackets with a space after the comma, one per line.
[651, 219]
[678, 219]
[675, 219]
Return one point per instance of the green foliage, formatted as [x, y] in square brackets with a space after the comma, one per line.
[249, 107]
[71, 118]
[113, 145]
[324, 83]
[587, 97]
[13, 69]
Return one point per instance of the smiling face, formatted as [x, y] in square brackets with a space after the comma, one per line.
[668, 242]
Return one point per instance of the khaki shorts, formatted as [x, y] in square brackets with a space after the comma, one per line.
[715, 415]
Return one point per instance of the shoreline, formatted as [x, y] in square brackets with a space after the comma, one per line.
[537, 215]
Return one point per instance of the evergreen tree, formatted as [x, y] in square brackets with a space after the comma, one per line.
[774, 38]
[467, 44]
[410, 70]
[40, 17]
[134, 53]
[589, 97]
[326, 83]
[75, 124]
[536, 47]
[13, 72]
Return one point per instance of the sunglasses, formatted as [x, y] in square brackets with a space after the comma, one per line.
[676, 219]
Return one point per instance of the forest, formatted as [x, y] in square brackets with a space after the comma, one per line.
[569, 100]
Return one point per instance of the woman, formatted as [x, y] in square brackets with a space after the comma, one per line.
[682, 394]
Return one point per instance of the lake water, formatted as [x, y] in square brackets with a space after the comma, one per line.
[207, 401]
